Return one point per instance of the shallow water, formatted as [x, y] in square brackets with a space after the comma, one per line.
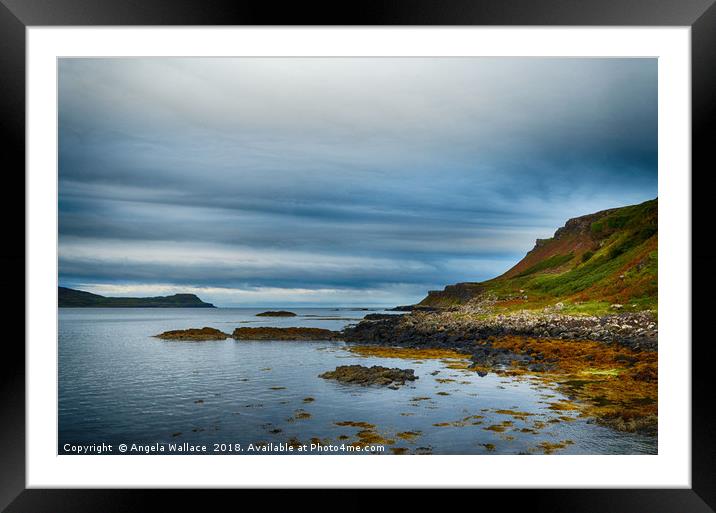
[118, 384]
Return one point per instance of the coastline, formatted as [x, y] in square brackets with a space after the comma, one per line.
[459, 330]
[606, 364]
[481, 399]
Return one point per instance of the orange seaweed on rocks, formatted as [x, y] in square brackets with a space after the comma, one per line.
[194, 334]
[615, 384]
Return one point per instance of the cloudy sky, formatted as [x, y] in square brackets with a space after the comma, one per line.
[310, 181]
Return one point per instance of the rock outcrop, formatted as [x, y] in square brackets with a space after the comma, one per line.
[637, 330]
[379, 316]
[197, 334]
[268, 333]
[375, 375]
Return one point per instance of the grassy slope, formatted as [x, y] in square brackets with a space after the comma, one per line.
[594, 261]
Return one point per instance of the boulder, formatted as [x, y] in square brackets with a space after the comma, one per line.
[375, 375]
[197, 334]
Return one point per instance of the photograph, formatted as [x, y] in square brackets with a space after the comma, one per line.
[373, 256]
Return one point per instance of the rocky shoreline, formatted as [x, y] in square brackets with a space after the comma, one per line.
[606, 363]
[267, 333]
[635, 330]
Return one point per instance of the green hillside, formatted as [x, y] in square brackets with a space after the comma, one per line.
[590, 264]
[71, 298]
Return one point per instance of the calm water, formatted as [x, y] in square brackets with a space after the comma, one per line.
[118, 385]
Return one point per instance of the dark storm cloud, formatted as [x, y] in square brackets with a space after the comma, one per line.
[381, 177]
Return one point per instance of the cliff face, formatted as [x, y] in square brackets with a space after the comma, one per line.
[452, 295]
[608, 256]
[574, 238]
[70, 298]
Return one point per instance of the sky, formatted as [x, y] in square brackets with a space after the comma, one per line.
[337, 181]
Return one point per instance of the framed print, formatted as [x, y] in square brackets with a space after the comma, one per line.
[444, 247]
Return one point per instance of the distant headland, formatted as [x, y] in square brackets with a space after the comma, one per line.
[71, 298]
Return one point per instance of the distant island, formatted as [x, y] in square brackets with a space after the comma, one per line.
[277, 313]
[71, 298]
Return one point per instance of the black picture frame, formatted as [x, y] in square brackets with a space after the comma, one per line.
[17, 15]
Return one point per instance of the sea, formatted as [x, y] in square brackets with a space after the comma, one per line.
[123, 391]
